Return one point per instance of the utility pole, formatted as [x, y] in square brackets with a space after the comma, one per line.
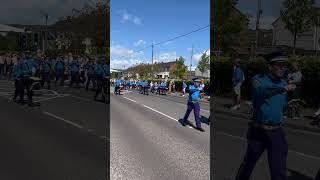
[46, 31]
[152, 60]
[259, 12]
[191, 61]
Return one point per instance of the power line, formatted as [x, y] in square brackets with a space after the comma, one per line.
[171, 39]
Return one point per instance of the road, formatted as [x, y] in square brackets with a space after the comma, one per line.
[229, 145]
[147, 142]
[65, 138]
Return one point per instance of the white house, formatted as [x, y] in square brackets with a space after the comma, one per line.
[308, 40]
[198, 73]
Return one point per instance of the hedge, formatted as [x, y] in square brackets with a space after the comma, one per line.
[310, 68]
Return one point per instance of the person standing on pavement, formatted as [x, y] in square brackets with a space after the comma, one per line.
[184, 86]
[269, 93]
[237, 80]
[295, 77]
[193, 104]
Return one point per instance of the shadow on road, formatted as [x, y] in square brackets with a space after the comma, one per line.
[205, 120]
[294, 175]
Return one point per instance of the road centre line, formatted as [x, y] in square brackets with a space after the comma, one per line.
[62, 119]
[130, 99]
[155, 110]
[45, 99]
[292, 151]
[180, 103]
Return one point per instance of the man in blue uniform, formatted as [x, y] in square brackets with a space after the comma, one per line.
[45, 72]
[265, 132]
[117, 87]
[100, 76]
[26, 68]
[59, 70]
[90, 73]
[75, 72]
[193, 104]
[18, 75]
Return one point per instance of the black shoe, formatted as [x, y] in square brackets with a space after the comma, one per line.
[200, 129]
[183, 123]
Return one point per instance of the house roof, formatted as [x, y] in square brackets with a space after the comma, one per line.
[6, 28]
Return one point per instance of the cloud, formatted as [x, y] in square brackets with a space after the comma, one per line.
[124, 63]
[166, 57]
[197, 57]
[124, 57]
[118, 50]
[139, 43]
[127, 17]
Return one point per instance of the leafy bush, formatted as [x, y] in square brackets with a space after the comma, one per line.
[223, 68]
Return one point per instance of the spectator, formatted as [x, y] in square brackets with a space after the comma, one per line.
[237, 80]
[294, 77]
[184, 86]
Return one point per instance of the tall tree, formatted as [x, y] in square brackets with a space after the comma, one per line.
[226, 25]
[297, 17]
[178, 70]
[204, 63]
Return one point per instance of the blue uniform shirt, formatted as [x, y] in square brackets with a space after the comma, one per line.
[46, 67]
[90, 69]
[98, 70]
[17, 70]
[26, 67]
[268, 99]
[74, 67]
[106, 69]
[59, 65]
[194, 93]
[237, 76]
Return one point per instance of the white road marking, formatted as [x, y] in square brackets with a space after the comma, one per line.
[160, 113]
[62, 119]
[292, 151]
[130, 99]
[46, 99]
[155, 111]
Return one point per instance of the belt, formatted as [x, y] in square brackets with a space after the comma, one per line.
[266, 126]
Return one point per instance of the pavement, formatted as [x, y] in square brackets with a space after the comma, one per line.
[148, 142]
[66, 137]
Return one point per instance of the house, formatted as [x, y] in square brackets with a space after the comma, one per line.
[306, 41]
[199, 74]
[163, 69]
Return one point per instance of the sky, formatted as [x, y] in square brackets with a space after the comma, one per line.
[270, 11]
[139, 23]
[32, 11]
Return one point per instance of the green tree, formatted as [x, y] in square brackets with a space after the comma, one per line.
[227, 25]
[297, 16]
[204, 64]
[178, 70]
